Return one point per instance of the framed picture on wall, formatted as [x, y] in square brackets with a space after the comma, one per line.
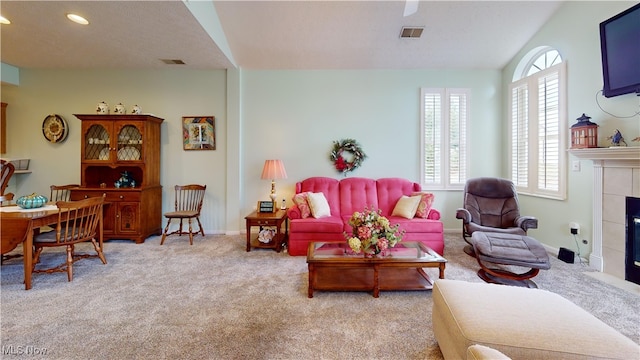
[199, 132]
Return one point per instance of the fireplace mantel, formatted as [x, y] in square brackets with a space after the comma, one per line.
[631, 153]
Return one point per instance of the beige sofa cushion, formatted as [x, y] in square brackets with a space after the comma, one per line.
[521, 323]
[480, 352]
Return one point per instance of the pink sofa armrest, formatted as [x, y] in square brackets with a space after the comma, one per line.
[294, 213]
[433, 214]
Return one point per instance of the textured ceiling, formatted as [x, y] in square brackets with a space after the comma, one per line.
[270, 34]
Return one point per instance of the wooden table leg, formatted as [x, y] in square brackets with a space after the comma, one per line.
[278, 239]
[248, 236]
[376, 281]
[441, 266]
[27, 251]
[312, 275]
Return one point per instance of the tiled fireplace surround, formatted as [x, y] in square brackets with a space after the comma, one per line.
[616, 175]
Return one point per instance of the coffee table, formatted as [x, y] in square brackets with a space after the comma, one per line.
[334, 267]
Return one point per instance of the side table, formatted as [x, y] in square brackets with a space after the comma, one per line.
[268, 219]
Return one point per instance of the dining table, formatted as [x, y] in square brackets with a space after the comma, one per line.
[43, 216]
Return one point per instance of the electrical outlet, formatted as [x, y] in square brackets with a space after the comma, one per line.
[574, 228]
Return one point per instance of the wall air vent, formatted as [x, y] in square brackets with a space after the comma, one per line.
[172, 61]
[411, 32]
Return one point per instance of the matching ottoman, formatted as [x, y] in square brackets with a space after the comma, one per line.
[521, 323]
[509, 249]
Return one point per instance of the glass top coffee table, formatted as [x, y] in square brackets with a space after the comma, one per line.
[334, 267]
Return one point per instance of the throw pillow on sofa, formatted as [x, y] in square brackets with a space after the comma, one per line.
[303, 204]
[425, 204]
[406, 206]
[318, 205]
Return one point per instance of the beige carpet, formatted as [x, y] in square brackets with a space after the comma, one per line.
[213, 300]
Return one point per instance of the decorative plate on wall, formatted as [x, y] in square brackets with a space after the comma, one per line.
[55, 128]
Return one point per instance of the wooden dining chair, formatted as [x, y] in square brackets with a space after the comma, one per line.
[188, 204]
[6, 170]
[14, 231]
[6, 198]
[61, 192]
[78, 221]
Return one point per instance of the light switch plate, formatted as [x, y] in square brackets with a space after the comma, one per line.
[575, 165]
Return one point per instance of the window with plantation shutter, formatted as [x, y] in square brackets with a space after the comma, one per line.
[538, 125]
[519, 136]
[444, 119]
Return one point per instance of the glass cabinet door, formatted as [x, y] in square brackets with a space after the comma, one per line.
[129, 143]
[97, 143]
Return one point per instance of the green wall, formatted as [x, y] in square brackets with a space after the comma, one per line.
[167, 94]
[296, 115]
[291, 115]
[574, 32]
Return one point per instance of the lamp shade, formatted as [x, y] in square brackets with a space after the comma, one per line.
[273, 169]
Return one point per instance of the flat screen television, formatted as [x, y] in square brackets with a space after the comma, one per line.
[620, 49]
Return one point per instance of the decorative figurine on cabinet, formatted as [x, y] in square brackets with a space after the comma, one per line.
[617, 138]
[125, 180]
[103, 108]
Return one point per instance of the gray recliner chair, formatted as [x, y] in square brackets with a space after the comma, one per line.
[491, 205]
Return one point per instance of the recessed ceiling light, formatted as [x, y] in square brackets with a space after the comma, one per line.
[4, 20]
[77, 19]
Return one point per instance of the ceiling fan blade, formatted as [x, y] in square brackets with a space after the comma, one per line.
[410, 7]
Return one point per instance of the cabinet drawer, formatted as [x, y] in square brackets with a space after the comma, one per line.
[264, 222]
[110, 195]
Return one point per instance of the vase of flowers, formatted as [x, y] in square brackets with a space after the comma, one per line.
[372, 233]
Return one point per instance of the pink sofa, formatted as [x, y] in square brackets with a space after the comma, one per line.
[349, 195]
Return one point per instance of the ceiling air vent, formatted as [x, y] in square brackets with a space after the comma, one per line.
[172, 62]
[411, 32]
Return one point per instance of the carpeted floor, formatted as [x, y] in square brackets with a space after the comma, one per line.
[213, 300]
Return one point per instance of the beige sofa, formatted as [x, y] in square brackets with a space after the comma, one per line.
[521, 323]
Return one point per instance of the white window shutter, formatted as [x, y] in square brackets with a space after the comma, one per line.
[520, 135]
[432, 125]
[548, 133]
[445, 117]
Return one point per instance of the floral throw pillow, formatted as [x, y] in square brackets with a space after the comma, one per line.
[301, 201]
[424, 206]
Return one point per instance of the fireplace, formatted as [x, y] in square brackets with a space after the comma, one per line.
[616, 175]
[632, 248]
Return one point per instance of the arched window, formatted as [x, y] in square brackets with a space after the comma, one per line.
[538, 124]
[538, 59]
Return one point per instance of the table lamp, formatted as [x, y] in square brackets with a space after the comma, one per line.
[273, 169]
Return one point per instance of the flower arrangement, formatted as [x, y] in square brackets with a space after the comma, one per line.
[372, 233]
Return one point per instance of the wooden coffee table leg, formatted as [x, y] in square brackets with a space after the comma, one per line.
[441, 266]
[312, 274]
[376, 281]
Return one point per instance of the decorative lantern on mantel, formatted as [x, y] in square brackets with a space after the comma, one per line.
[584, 133]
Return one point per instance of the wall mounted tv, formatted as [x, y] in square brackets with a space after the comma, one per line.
[620, 49]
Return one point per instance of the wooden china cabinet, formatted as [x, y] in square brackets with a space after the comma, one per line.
[111, 145]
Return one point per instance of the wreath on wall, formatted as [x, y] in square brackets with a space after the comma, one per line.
[349, 146]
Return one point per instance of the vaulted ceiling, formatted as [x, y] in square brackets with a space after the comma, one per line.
[268, 34]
